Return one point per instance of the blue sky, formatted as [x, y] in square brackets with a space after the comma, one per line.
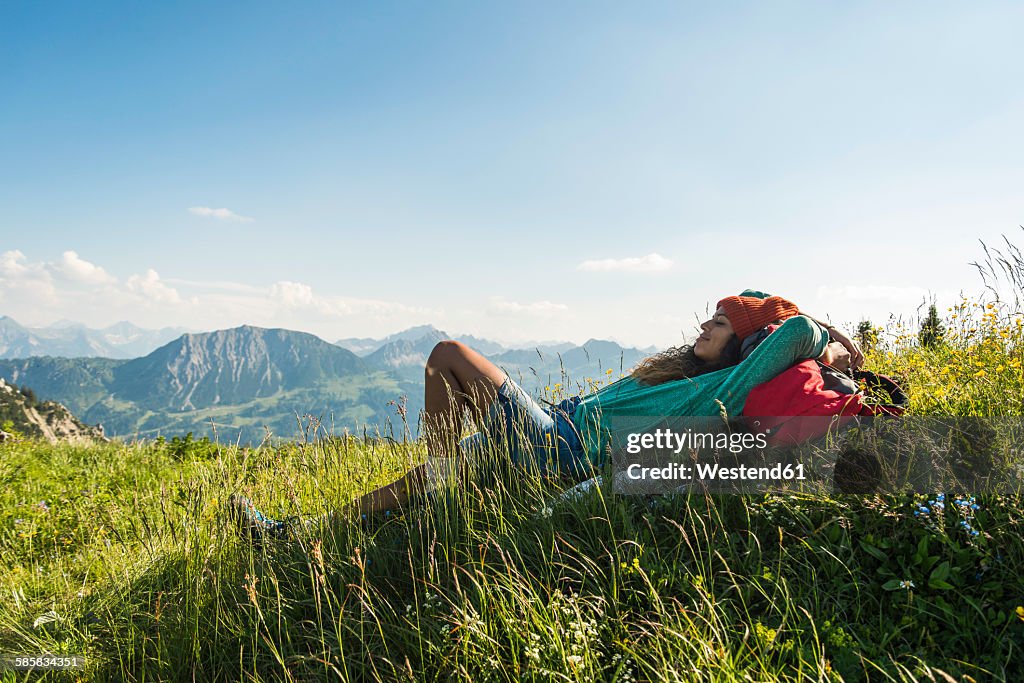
[512, 170]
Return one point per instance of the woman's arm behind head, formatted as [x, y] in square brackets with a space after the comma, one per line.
[796, 339]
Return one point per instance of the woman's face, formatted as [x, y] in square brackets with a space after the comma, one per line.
[715, 334]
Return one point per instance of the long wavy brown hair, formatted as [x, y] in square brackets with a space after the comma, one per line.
[680, 362]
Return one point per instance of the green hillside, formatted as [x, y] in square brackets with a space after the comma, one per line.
[237, 383]
[124, 554]
[78, 383]
[243, 382]
[342, 403]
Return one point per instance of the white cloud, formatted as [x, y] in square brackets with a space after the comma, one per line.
[219, 214]
[77, 269]
[543, 309]
[292, 294]
[73, 288]
[299, 296]
[12, 264]
[152, 288]
[25, 283]
[637, 264]
[39, 292]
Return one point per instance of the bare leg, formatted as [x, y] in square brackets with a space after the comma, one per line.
[456, 379]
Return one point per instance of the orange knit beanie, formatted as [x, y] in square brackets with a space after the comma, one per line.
[748, 314]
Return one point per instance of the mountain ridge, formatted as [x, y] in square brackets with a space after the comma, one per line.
[70, 339]
[23, 413]
[249, 379]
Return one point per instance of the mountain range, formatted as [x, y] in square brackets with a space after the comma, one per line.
[364, 346]
[70, 339]
[246, 382]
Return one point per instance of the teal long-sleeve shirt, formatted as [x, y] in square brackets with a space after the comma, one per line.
[797, 339]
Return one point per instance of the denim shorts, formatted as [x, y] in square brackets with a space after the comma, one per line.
[545, 438]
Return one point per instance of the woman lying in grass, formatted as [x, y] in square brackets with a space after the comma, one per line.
[701, 379]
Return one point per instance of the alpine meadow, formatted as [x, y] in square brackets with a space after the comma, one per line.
[511, 342]
[122, 553]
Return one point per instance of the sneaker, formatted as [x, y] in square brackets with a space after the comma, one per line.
[253, 523]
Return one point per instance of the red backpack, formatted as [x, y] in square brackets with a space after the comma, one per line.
[811, 389]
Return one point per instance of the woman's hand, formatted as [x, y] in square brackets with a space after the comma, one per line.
[856, 356]
[837, 356]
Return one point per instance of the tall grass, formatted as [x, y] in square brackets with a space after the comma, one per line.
[122, 553]
[133, 565]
